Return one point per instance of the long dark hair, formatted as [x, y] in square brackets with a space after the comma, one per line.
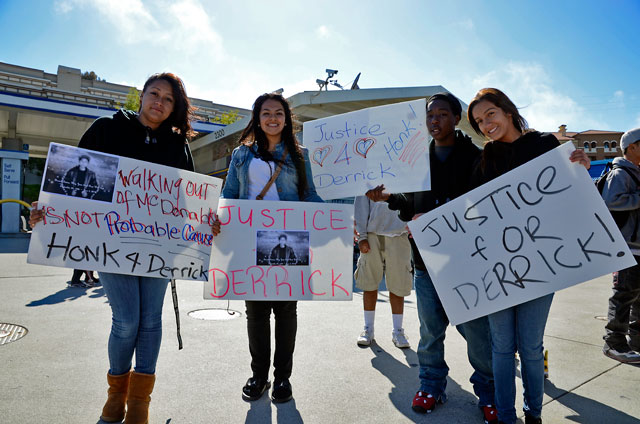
[254, 134]
[183, 112]
[498, 98]
[496, 157]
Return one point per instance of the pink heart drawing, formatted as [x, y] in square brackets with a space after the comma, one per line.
[320, 154]
[363, 145]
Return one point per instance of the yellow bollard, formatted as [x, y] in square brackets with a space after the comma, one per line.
[546, 364]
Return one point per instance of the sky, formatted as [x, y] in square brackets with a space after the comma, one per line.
[573, 62]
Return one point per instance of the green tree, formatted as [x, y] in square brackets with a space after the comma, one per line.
[133, 99]
[91, 76]
[226, 118]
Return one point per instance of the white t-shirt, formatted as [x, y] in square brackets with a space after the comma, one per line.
[259, 174]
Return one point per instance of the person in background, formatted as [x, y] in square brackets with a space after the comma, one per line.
[157, 133]
[451, 156]
[622, 193]
[384, 251]
[89, 281]
[519, 328]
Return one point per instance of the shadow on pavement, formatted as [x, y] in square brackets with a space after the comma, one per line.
[260, 411]
[587, 411]
[68, 294]
[287, 413]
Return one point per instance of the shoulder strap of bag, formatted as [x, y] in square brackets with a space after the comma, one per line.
[274, 176]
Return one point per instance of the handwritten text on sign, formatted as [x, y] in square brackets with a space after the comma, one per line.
[356, 151]
[282, 251]
[153, 221]
[533, 231]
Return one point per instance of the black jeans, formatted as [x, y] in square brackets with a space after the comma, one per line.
[259, 330]
[625, 298]
[77, 274]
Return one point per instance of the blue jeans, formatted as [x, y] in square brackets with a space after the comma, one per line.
[433, 325]
[520, 328]
[136, 307]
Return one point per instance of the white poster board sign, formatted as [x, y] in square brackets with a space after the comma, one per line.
[353, 152]
[269, 250]
[121, 215]
[538, 229]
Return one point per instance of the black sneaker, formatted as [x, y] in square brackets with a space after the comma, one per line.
[528, 419]
[78, 284]
[622, 354]
[254, 388]
[281, 391]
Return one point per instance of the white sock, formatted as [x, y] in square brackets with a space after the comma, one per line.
[369, 318]
[397, 322]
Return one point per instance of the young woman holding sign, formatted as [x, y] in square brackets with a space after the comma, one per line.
[521, 327]
[270, 164]
[157, 133]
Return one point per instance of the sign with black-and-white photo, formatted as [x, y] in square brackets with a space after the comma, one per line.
[109, 213]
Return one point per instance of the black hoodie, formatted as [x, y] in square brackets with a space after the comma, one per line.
[449, 179]
[123, 135]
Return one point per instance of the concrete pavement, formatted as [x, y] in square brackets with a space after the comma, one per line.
[57, 372]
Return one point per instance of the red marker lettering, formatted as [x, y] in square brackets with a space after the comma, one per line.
[313, 221]
[212, 271]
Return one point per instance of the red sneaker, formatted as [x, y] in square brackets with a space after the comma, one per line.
[490, 414]
[424, 402]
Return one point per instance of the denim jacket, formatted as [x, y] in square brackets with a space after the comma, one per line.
[237, 183]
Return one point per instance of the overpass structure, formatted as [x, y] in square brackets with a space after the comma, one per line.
[37, 107]
[310, 105]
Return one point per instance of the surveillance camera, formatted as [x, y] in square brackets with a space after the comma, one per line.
[331, 72]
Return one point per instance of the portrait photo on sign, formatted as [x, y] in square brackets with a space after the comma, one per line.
[286, 248]
[86, 174]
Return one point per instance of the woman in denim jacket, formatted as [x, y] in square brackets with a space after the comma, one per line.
[262, 147]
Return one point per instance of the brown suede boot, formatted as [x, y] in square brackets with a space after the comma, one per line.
[113, 410]
[139, 397]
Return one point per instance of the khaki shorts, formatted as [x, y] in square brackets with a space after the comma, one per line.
[390, 256]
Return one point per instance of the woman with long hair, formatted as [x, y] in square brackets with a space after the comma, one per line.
[270, 164]
[519, 328]
[157, 133]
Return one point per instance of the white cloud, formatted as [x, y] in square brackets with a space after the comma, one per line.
[637, 123]
[530, 88]
[323, 32]
[195, 31]
[63, 6]
[618, 95]
[183, 27]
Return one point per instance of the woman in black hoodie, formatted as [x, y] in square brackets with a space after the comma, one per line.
[157, 133]
[518, 328]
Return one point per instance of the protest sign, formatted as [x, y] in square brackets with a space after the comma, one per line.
[269, 250]
[353, 152]
[540, 228]
[110, 213]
